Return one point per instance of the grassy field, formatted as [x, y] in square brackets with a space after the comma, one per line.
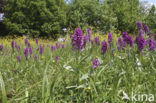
[56, 72]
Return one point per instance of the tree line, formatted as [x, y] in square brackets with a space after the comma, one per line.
[49, 17]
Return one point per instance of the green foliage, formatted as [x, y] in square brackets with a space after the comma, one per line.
[91, 13]
[151, 19]
[46, 17]
[127, 13]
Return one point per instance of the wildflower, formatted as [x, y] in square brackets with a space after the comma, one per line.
[85, 39]
[43, 57]
[95, 63]
[57, 45]
[119, 43]
[141, 34]
[19, 58]
[141, 43]
[29, 45]
[97, 40]
[26, 40]
[149, 34]
[13, 44]
[41, 49]
[1, 47]
[56, 58]
[124, 35]
[130, 41]
[140, 26]
[104, 47]
[78, 39]
[30, 50]
[35, 57]
[37, 41]
[63, 46]
[26, 53]
[18, 48]
[89, 34]
[53, 47]
[110, 38]
[146, 28]
[151, 44]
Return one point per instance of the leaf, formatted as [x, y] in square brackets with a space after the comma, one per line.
[85, 76]
[122, 56]
[4, 97]
[68, 67]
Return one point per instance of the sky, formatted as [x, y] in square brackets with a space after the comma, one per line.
[150, 1]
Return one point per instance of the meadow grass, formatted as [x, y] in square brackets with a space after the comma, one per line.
[72, 78]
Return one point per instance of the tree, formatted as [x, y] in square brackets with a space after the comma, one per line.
[43, 17]
[90, 12]
[151, 18]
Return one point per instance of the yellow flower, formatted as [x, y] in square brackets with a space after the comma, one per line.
[43, 57]
[114, 54]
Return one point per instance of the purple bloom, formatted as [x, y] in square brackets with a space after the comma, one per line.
[130, 41]
[56, 58]
[64, 40]
[140, 26]
[120, 43]
[104, 47]
[29, 45]
[63, 46]
[18, 48]
[141, 43]
[78, 39]
[35, 57]
[13, 44]
[26, 40]
[97, 40]
[26, 52]
[89, 34]
[19, 58]
[149, 34]
[1, 47]
[37, 41]
[85, 39]
[151, 44]
[124, 35]
[30, 50]
[141, 34]
[146, 28]
[110, 38]
[53, 47]
[137, 39]
[41, 49]
[95, 63]
[57, 45]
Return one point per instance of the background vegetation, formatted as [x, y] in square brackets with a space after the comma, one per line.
[49, 17]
